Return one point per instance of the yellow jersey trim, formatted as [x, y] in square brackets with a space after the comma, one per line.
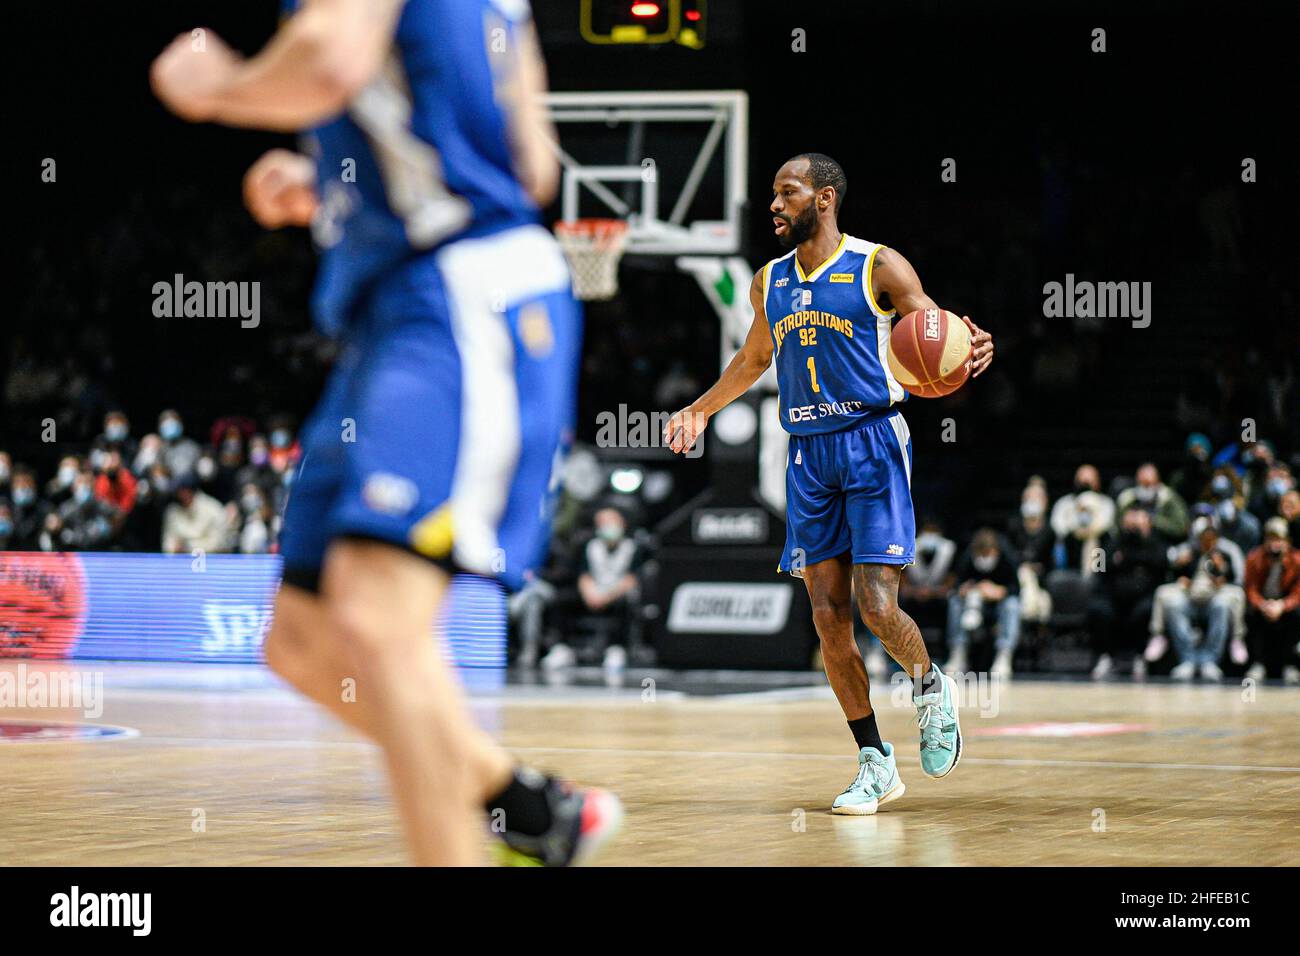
[871, 295]
[812, 276]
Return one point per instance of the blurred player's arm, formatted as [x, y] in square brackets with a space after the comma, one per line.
[894, 276]
[318, 60]
[280, 189]
[685, 427]
[531, 129]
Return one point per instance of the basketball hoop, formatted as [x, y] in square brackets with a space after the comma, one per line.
[593, 248]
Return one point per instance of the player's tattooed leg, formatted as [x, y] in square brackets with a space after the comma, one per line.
[876, 589]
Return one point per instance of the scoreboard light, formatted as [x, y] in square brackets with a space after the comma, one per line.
[643, 22]
[691, 33]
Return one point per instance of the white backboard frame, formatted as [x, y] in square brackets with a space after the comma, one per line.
[726, 113]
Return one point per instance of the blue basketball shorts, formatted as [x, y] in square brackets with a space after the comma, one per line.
[447, 414]
[850, 492]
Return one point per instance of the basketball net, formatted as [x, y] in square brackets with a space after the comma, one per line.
[593, 248]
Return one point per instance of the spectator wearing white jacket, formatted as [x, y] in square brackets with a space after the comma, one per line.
[195, 522]
[1081, 519]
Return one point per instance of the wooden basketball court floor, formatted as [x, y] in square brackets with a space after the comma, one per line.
[229, 768]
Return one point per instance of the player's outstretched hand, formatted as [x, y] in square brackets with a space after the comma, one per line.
[981, 346]
[191, 71]
[684, 429]
[280, 189]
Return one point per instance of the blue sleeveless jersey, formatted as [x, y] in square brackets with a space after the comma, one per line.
[830, 338]
[420, 157]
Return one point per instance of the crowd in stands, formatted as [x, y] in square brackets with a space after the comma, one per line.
[164, 491]
[1190, 574]
[1194, 574]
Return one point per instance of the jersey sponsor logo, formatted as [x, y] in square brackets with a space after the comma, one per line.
[931, 331]
[895, 549]
[389, 494]
[842, 277]
[810, 413]
[782, 282]
[798, 457]
[724, 607]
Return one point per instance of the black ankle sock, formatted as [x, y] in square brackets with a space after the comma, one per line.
[866, 734]
[523, 803]
[927, 683]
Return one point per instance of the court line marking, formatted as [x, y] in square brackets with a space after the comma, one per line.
[737, 754]
[999, 761]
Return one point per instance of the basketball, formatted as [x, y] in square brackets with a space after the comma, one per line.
[930, 353]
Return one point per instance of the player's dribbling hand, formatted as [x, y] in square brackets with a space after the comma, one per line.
[684, 429]
[981, 347]
[279, 189]
[187, 75]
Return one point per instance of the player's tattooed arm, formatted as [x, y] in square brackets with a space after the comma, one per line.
[685, 426]
[314, 65]
[893, 277]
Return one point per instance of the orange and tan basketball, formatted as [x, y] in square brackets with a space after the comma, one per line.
[930, 352]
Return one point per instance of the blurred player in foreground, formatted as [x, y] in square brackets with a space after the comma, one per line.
[824, 311]
[427, 162]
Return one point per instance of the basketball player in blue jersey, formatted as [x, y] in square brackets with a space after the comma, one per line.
[823, 313]
[432, 448]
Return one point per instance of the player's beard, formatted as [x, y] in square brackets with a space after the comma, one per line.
[799, 229]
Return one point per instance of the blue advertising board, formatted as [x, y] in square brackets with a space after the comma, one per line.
[154, 607]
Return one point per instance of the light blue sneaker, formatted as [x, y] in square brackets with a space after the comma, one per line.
[875, 785]
[936, 716]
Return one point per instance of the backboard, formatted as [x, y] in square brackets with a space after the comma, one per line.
[672, 164]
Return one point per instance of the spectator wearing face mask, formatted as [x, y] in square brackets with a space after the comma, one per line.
[1267, 496]
[154, 488]
[147, 455]
[87, 523]
[178, 453]
[1252, 461]
[195, 521]
[1136, 564]
[116, 484]
[230, 460]
[988, 593]
[285, 450]
[257, 469]
[1234, 522]
[1032, 543]
[59, 488]
[1080, 520]
[257, 523]
[1207, 595]
[28, 510]
[116, 436]
[1167, 509]
[1194, 474]
[1273, 595]
[608, 587]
